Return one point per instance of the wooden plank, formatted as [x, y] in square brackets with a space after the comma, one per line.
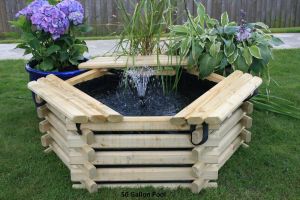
[137, 61]
[138, 185]
[157, 123]
[180, 118]
[71, 98]
[42, 111]
[140, 174]
[117, 141]
[58, 103]
[199, 115]
[44, 126]
[229, 151]
[109, 113]
[233, 102]
[89, 75]
[143, 157]
[60, 153]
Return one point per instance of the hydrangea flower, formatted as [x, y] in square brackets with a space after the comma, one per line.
[73, 10]
[32, 8]
[50, 19]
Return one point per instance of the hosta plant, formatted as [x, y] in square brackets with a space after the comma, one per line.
[222, 46]
[48, 33]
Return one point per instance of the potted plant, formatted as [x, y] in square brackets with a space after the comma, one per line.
[48, 32]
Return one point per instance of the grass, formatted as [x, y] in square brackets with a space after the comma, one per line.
[286, 30]
[269, 169]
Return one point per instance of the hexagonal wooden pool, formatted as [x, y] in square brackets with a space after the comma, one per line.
[103, 148]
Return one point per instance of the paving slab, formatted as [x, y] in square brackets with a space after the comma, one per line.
[101, 47]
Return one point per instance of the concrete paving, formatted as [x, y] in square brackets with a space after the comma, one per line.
[100, 47]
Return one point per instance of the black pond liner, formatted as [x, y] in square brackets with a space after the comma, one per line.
[124, 99]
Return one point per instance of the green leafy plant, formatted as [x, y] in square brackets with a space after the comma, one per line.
[53, 45]
[223, 46]
[144, 27]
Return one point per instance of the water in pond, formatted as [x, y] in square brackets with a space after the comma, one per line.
[139, 93]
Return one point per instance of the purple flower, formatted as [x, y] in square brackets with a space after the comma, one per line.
[243, 33]
[51, 20]
[32, 8]
[73, 10]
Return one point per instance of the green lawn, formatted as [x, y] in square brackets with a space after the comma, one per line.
[269, 169]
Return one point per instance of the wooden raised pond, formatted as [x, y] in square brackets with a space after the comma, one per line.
[102, 148]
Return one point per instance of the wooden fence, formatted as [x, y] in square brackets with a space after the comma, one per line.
[103, 14]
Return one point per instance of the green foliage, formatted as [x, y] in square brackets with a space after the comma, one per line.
[49, 54]
[143, 28]
[212, 46]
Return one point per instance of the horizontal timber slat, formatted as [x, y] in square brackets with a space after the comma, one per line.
[159, 123]
[127, 61]
[141, 174]
[143, 157]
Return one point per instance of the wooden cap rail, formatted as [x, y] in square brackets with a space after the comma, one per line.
[136, 61]
[218, 103]
[71, 102]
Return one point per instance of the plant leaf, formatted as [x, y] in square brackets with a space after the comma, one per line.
[276, 41]
[255, 52]
[215, 49]
[224, 19]
[52, 49]
[247, 55]
[241, 64]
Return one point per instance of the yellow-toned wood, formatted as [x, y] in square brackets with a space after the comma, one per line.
[44, 126]
[143, 157]
[247, 122]
[90, 185]
[206, 171]
[248, 107]
[200, 114]
[198, 185]
[88, 136]
[229, 151]
[226, 140]
[212, 77]
[46, 140]
[127, 61]
[180, 118]
[48, 150]
[42, 111]
[89, 75]
[59, 140]
[90, 170]
[60, 153]
[109, 113]
[58, 102]
[159, 123]
[38, 99]
[246, 136]
[58, 114]
[139, 174]
[73, 99]
[233, 101]
[197, 136]
[88, 153]
[119, 140]
[140, 185]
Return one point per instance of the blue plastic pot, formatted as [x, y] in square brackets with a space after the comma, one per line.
[35, 74]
